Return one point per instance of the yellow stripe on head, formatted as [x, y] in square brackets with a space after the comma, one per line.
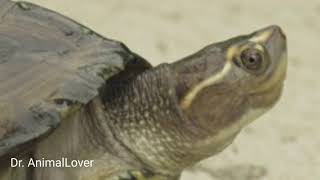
[261, 37]
[187, 100]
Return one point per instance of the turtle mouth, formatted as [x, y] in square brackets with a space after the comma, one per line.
[266, 98]
[270, 89]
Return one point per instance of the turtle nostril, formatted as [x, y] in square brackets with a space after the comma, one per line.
[277, 29]
[283, 35]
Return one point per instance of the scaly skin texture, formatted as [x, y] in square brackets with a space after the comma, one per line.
[126, 130]
[150, 123]
[138, 131]
[195, 107]
[159, 122]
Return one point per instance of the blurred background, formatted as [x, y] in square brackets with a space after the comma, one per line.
[282, 145]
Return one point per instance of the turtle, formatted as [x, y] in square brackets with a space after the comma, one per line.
[75, 105]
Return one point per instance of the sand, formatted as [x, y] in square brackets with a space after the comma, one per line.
[282, 145]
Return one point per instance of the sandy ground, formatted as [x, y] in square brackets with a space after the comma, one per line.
[282, 145]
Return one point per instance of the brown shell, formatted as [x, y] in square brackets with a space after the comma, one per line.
[49, 65]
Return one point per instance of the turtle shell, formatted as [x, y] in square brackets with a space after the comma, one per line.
[50, 66]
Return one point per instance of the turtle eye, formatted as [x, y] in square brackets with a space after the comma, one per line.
[252, 59]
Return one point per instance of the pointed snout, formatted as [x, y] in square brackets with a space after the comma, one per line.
[274, 40]
[270, 35]
[275, 30]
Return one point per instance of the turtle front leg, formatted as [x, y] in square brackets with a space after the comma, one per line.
[132, 175]
[139, 175]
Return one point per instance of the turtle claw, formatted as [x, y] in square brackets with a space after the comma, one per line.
[140, 175]
[132, 175]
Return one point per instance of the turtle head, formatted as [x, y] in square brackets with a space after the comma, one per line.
[228, 84]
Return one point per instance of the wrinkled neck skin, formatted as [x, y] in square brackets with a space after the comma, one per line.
[139, 124]
[145, 115]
